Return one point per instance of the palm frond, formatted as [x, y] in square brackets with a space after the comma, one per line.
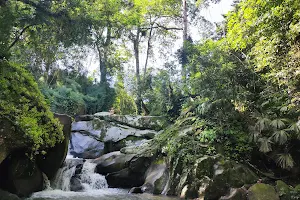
[285, 160]
[280, 136]
[277, 123]
[262, 123]
[265, 144]
[295, 127]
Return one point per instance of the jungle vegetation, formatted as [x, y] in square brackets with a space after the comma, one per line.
[238, 86]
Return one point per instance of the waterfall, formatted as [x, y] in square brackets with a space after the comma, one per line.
[87, 178]
[90, 179]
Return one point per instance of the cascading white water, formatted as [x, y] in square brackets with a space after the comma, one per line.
[90, 179]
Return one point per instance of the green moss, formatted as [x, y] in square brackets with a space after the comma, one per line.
[283, 190]
[24, 106]
[262, 191]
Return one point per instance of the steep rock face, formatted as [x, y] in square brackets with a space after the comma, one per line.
[156, 177]
[123, 170]
[103, 133]
[21, 175]
[51, 162]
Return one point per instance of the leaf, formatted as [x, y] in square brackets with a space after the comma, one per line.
[285, 161]
[265, 144]
[277, 123]
[295, 127]
[262, 123]
[284, 109]
[280, 136]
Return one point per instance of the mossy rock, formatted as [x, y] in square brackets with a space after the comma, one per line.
[283, 190]
[20, 175]
[261, 191]
[23, 105]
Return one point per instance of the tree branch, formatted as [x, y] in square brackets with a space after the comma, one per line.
[18, 37]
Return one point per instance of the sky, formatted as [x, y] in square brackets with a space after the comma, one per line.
[213, 13]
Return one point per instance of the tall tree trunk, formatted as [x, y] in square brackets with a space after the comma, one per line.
[137, 67]
[184, 38]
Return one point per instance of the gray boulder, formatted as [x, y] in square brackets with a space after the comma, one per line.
[112, 162]
[85, 146]
[157, 177]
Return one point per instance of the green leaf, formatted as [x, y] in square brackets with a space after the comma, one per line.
[265, 144]
[263, 123]
[280, 136]
[285, 160]
[277, 123]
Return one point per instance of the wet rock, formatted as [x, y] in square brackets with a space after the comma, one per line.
[78, 169]
[112, 162]
[124, 178]
[4, 195]
[20, 176]
[157, 177]
[236, 194]
[135, 190]
[261, 191]
[75, 184]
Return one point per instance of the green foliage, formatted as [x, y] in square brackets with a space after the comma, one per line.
[124, 103]
[23, 104]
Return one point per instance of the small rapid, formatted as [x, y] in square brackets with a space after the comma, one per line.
[80, 174]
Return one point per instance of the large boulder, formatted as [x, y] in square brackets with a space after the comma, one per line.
[55, 156]
[261, 191]
[112, 162]
[28, 129]
[104, 133]
[210, 178]
[4, 195]
[9, 141]
[140, 122]
[19, 175]
[284, 191]
[123, 170]
[85, 146]
[157, 177]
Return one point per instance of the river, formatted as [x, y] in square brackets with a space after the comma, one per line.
[94, 186]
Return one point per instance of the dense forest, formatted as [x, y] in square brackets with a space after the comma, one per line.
[238, 87]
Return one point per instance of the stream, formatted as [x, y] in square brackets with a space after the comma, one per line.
[94, 185]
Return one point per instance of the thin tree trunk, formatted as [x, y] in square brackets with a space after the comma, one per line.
[148, 50]
[184, 39]
[137, 67]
